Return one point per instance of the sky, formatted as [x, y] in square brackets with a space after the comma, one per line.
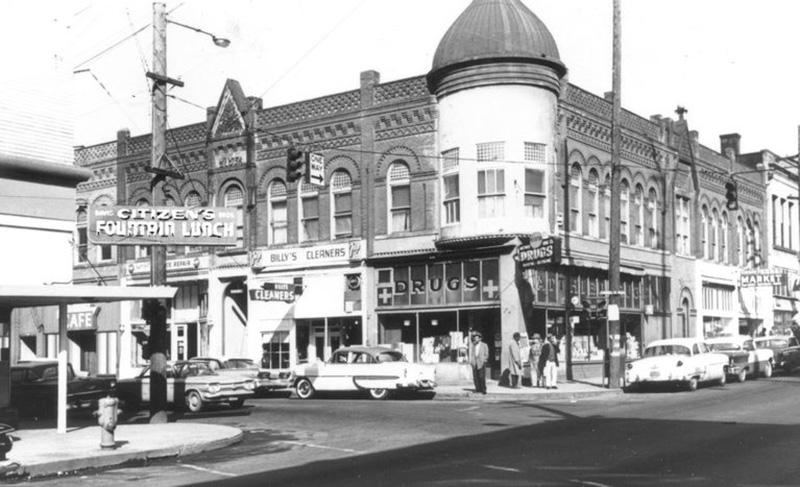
[732, 63]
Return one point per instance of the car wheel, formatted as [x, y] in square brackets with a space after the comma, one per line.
[742, 375]
[379, 394]
[723, 379]
[692, 384]
[304, 389]
[237, 403]
[768, 370]
[194, 402]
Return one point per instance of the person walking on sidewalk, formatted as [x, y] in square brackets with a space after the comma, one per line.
[549, 362]
[533, 359]
[478, 359]
[515, 362]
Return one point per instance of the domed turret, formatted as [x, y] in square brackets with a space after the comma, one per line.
[501, 33]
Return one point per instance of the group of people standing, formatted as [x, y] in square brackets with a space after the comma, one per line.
[543, 359]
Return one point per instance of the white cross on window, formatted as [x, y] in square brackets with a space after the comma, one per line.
[385, 295]
[490, 289]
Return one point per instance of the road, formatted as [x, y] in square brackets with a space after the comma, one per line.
[742, 434]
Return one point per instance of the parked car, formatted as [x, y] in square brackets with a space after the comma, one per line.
[34, 387]
[744, 358]
[680, 361]
[192, 384]
[266, 380]
[378, 370]
[785, 351]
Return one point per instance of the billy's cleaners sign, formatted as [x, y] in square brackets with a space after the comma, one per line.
[162, 225]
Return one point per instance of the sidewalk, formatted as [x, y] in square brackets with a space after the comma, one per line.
[567, 390]
[43, 452]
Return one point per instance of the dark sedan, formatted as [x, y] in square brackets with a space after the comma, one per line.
[785, 351]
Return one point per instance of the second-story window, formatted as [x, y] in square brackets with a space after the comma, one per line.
[142, 250]
[594, 204]
[638, 215]
[309, 212]
[399, 197]
[607, 208]
[723, 241]
[83, 241]
[342, 196]
[741, 249]
[192, 201]
[534, 193]
[277, 213]
[452, 189]
[683, 226]
[715, 236]
[652, 219]
[624, 211]
[704, 221]
[491, 193]
[234, 198]
[575, 182]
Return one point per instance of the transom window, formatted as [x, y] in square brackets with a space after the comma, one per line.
[491, 151]
[535, 152]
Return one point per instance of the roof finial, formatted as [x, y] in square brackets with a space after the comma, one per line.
[680, 111]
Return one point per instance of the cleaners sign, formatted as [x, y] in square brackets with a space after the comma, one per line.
[274, 291]
[162, 225]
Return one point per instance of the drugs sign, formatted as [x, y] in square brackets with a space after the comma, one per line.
[538, 252]
[162, 225]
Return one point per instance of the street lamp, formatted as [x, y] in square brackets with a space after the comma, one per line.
[218, 41]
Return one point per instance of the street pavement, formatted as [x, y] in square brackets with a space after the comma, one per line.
[43, 452]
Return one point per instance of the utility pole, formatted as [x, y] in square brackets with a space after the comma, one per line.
[616, 361]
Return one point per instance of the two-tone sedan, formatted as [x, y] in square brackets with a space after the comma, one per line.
[376, 370]
[677, 361]
[745, 359]
[192, 384]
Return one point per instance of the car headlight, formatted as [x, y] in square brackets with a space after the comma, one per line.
[680, 363]
[213, 388]
[630, 366]
[730, 362]
[250, 385]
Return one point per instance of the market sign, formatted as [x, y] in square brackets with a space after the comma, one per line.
[162, 225]
[274, 291]
[761, 278]
[539, 251]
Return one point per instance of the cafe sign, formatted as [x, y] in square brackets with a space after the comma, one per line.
[162, 225]
[540, 251]
[82, 317]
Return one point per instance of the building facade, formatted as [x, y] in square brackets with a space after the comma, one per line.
[432, 187]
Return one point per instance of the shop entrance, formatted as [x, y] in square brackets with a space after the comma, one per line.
[183, 341]
[318, 338]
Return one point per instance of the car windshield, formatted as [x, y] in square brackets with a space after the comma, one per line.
[774, 343]
[662, 350]
[390, 356]
[240, 363]
[724, 346]
[195, 369]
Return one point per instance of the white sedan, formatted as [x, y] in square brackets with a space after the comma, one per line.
[682, 361]
[377, 370]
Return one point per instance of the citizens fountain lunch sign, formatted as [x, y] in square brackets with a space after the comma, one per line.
[162, 225]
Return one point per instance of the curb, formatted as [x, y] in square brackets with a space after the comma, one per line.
[15, 469]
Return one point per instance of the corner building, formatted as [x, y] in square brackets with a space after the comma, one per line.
[432, 183]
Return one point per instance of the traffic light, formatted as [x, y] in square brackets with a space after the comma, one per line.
[731, 195]
[296, 164]
[601, 311]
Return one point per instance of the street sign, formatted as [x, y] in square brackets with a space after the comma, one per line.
[316, 169]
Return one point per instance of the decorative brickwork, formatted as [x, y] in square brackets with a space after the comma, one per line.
[95, 153]
[310, 110]
[403, 90]
[598, 106]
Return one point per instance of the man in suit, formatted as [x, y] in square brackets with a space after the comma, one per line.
[515, 362]
[479, 355]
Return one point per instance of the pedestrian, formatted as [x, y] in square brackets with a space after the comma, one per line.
[515, 362]
[548, 360]
[533, 359]
[478, 359]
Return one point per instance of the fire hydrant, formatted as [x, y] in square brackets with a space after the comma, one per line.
[5, 441]
[107, 419]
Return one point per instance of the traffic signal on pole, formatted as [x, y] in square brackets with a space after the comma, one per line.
[731, 195]
[601, 311]
[296, 164]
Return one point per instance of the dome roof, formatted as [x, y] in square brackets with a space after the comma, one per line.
[497, 29]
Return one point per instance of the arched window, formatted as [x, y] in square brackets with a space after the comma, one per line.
[723, 242]
[575, 183]
[399, 197]
[234, 198]
[638, 214]
[142, 250]
[342, 204]
[607, 207]
[683, 224]
[652, 220]
[592, 192]
[750, 243]
[715, 236]
[192, 200]
[757, 255]
[741, 249]
[82, 239]
[704, 221]
[309, 212]
[277, 213]
[624, 211]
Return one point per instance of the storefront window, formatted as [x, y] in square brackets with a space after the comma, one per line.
[275, 348]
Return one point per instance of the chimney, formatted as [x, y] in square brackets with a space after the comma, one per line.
[729, 141]
[609, 96]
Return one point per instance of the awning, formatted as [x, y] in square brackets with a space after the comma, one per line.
[599, 264]
[30, 296]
